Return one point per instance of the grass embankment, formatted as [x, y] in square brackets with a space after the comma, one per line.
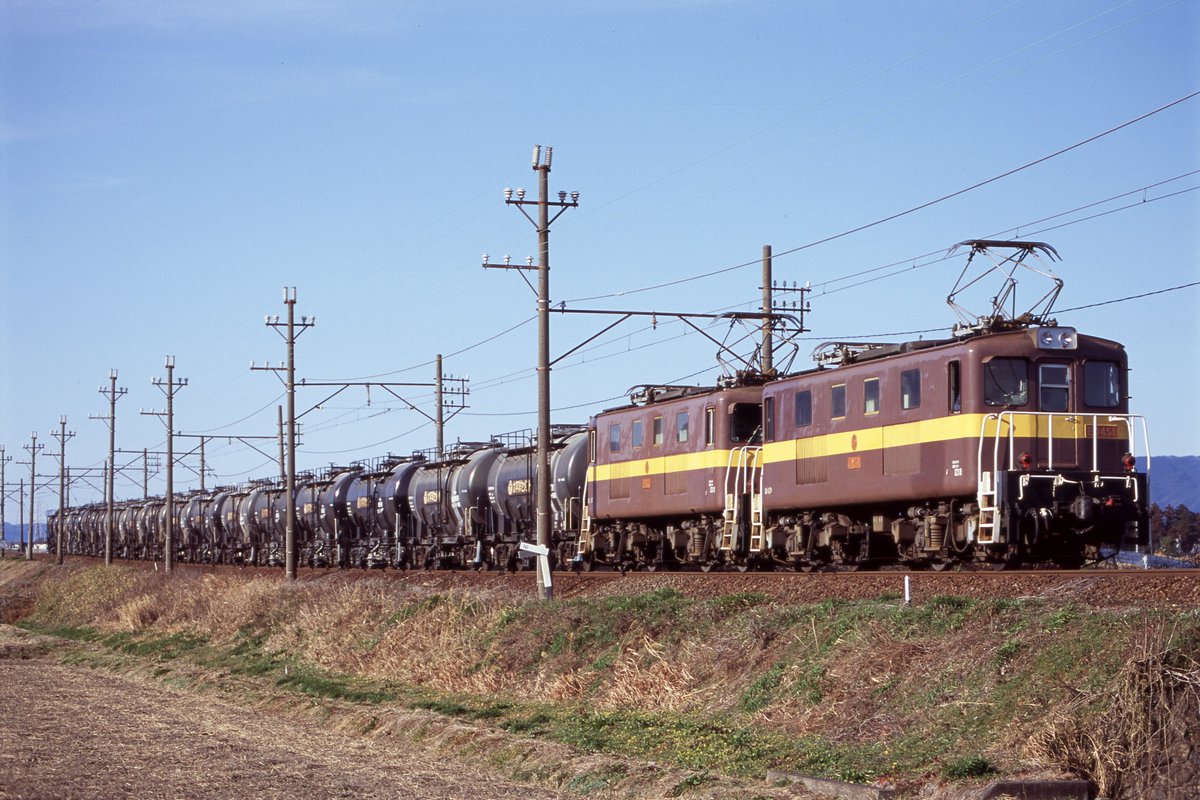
[953, 688]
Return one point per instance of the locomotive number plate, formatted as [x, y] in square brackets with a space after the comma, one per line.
[1102, 431]
[854, 462]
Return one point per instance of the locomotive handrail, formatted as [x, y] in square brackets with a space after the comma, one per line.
[1006, 425]
[742, 476]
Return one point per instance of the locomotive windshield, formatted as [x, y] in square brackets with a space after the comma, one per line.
[1006, 382]
[1101, 384]
[745, 423]
[1054, 382]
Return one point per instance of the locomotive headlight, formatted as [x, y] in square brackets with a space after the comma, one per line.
[1056, 339]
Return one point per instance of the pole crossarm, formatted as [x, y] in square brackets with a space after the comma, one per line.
[344, 385]
[682, 316]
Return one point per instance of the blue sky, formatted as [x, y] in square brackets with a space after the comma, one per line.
[167, 167]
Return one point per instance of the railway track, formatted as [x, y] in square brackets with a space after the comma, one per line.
[1121, 588]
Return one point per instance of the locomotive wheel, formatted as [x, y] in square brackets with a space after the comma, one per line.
[940, 565]
[743, 566]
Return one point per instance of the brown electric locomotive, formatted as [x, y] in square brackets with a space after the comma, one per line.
[671, 476]
[1008, 447]
[1010, 443]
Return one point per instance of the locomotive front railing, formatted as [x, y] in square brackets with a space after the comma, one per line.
[1014, 425]
[1010, 426]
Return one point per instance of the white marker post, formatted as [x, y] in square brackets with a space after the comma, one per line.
[543, 561]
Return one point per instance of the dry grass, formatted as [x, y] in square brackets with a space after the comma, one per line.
[1125, 735]
[904, 688]
[647, 678]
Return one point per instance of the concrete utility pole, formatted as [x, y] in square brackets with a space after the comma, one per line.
[21, 511]
[33, 447]
[3, 488]
[282, 451]
[169, 387]
[62, 435]
[113, 394]
[289, 299]
[544, 204]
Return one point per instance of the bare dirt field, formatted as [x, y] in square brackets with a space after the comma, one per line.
[71, 732]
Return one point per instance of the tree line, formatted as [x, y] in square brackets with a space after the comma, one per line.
[1176, 529]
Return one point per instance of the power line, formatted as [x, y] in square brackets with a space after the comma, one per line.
[903, 213]
[1130, 297]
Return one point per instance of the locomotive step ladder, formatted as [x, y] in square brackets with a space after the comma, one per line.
[742, 482]
[988, 511]
[583, 545]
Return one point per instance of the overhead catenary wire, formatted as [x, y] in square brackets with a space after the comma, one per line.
[899, 214]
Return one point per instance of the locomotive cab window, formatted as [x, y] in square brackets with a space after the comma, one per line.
[614, 438]
[592, 445]
[1006, 382]
[710, 434]
[871, 396]
[681, 426]
[837, 401]
[636, 433]
[910, 389]
[1054, 387]
[769, 418]
[745, 423]
[1101, 384]
[658, 430]
[803, 409]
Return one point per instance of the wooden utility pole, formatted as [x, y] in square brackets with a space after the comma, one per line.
[768, 344]
[440, 422]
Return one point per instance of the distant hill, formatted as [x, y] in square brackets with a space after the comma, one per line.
[12, 531]
[1175, 480]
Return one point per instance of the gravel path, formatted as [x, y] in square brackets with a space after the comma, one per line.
[69, 732]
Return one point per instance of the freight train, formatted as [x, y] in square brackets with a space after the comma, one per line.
[1009, 443]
